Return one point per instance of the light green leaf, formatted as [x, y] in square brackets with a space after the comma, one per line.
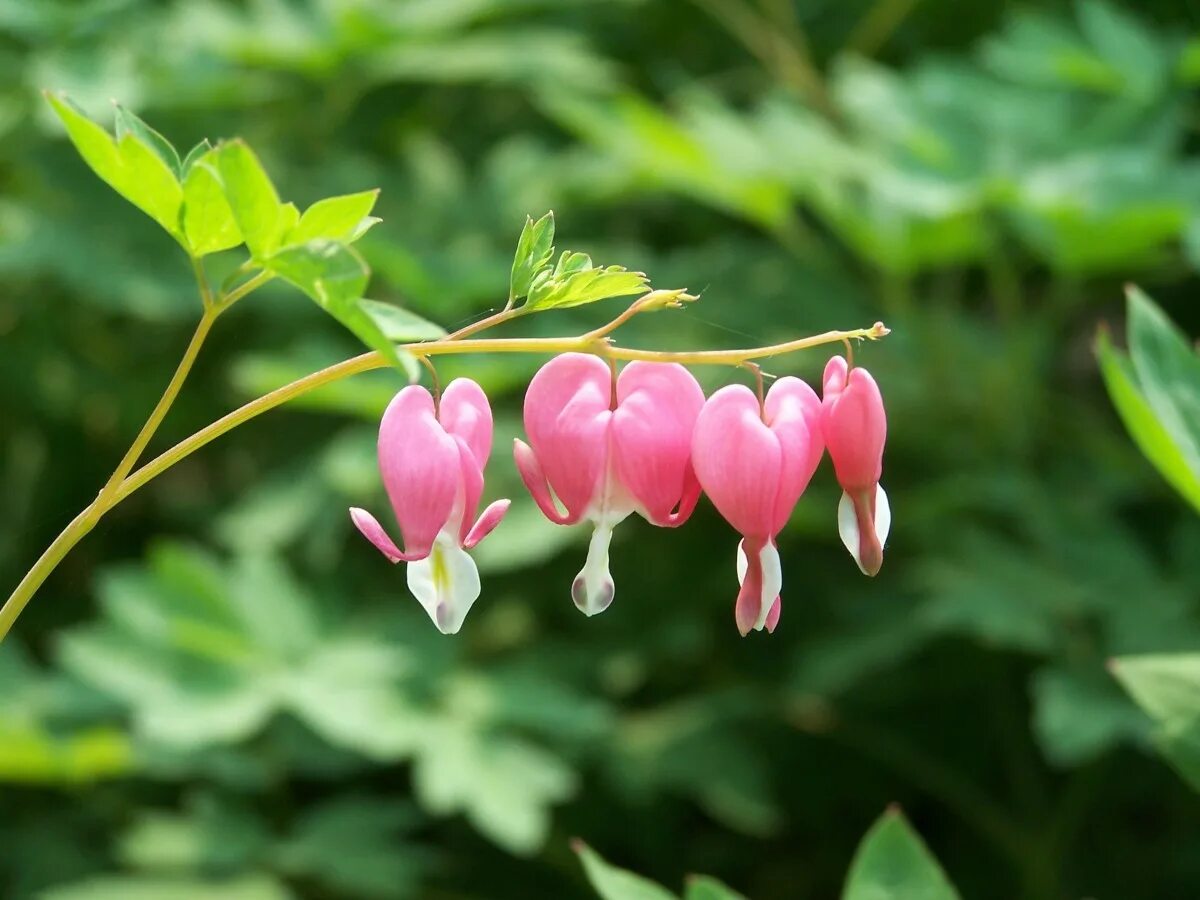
[128, 123]
[1167, 687]
[335, 276]
[575, 281]
[134, 887]
[130, 167]
[201, 149]
[399, 324]
[208, 222]
[503, 785]
[612, 883]
[1151, 437]
[705, 887]
[252, 198]
[893, 863]
[534, 249]
[336, 218]
[1168, 373]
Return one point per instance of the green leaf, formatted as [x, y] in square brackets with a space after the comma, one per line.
[893, 863]
[260, 216]
[575, 281]
[612, 883]
[335, 276]
[354, 845]
[534, 249]
[399, 324]
[128, 123]
[133, 169]
[503, 785]
[134, 887]
[201, 149]
[208, 221]
[1167, 687]
[1151, 437]
[705, 887]
[336, 218]
[1168, 373]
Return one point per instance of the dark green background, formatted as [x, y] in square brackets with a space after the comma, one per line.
[224, 682]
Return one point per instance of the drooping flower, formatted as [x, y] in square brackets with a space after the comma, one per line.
[754, 462]
[431, 458]
[855, 427]
[607, 450]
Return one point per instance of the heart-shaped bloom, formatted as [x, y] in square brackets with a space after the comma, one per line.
[432, 458]
[754, 462]
[855, 427]
[607, 450]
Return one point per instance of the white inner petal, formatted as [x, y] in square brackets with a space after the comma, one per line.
[848, 522]
[446, 583]
[593, 588]
[883, 515]
[772, 583]
[772, 578]
[848, 526]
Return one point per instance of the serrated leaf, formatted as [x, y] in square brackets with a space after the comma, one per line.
[1147, 431]
[336, 218]
[128, 123]
[584, 285]
[252, 198]
[893, 863]
[613, 883]
[131, 168]
[335, 276]
[208, 222]
[535, 247]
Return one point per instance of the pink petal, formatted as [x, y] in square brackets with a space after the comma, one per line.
[535, 482]
[794, 416]
[567, 414]
[464, 412]
[749, 600]
[773, 615]
[487, 521]
[855, 427]
[472, 487]
[657, 408]
[687, 502]
[420, 466]
[738, 460]
[373, 532]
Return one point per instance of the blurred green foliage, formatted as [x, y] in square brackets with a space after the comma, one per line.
[223, 692]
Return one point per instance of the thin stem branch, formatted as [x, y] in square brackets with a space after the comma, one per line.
[121, 487]
[68, 538]
[129, 460]
[368, 361]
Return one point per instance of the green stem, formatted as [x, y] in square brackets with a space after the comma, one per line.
[587, 343]
[125, 466]
[368, 361]
[70, 536]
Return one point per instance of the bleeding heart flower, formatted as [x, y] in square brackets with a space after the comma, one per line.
[754, 463]
[432, 460]
[607, 450]
[855, 427]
